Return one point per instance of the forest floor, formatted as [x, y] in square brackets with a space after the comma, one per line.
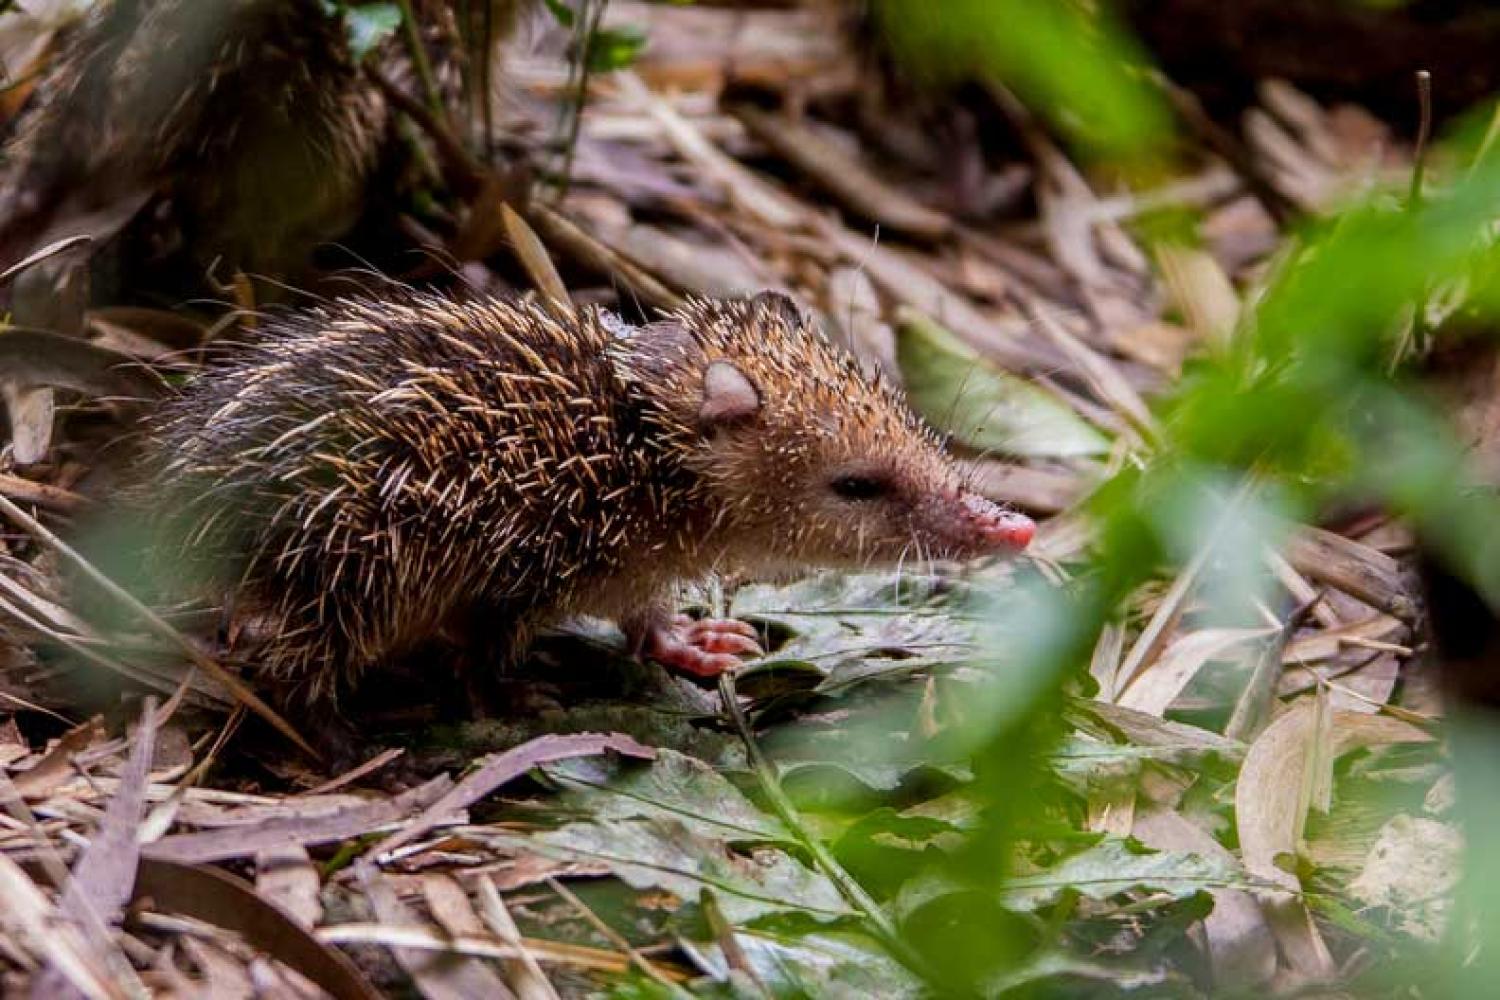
[1220, 803]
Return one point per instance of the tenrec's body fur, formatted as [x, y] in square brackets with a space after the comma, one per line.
[372, 472]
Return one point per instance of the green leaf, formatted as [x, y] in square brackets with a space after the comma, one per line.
[1058, 974]
[1115, 866]
[842, 631]
[662, 853]
[615, 48]
[958, 391]
[674, 786]
[839, 964]
[561, 11]
[368, 25]
[1070, 61]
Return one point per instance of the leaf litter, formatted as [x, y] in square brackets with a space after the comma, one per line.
[1160, 836]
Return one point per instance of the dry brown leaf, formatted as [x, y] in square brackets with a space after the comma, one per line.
[1200, 289]
[218, 898]
[287, 877]
[438, 976]
[56, 766]
[1038, 490]
[700, 48]
[305, 826]
[13, 745]
[844, 176]
[687, 261]
[745, 188]
[904, 279]
[1102, 375]
[1276, 784]
[29, 920]
[528, 248]
[104, 873]
[503, 767]
[1155, 688]
[856, 323]
[1240, 944]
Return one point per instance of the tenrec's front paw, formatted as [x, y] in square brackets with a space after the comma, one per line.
[704, 648]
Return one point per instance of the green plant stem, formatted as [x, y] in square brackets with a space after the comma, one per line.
[853, 892]
[588, 31]
[419, 57]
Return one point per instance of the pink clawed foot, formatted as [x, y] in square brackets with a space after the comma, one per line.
[704, 648]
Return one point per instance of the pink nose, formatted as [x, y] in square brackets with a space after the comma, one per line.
[1002, 529]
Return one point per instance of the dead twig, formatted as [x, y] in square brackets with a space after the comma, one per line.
[156, 624]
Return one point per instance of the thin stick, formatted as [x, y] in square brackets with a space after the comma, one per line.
[158, 625]
[852, 891]
[526, 977]
[640, 961]
[1424, 134]
[459, 168]
[588, 36]
[1416, 341]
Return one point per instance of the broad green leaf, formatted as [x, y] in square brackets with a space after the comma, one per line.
[674, 786]
[840, 631]
[873, 776]
[662, 853]
[840, 964]
[1057, 974]
[957, 390]
[1115, 866]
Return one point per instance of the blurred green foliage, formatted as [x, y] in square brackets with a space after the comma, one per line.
[1068, 61]
[1309, 403]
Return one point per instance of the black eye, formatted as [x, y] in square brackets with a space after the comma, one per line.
[859, 487]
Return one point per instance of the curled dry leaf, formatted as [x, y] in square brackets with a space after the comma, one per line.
[55, 766]
[504, 767]
[218, 898]
[1271, 799]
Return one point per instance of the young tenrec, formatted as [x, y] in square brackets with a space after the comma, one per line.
[372, 473]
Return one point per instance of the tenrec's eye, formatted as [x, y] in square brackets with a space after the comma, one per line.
[859, 487]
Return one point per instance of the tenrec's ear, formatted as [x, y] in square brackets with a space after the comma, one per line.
[728, 396]
[781, 305]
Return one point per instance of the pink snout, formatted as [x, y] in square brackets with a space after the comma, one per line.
[1001, 530]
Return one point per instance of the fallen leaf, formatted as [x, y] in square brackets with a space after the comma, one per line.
[957, 390]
